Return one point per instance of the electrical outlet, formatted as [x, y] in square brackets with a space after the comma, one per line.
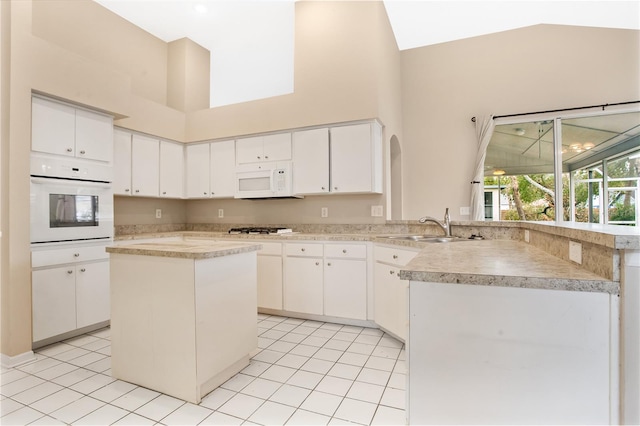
[376, 211]
[158, 213]
[220, 213]
[575, 252]
[324, 212]
[464, 211]
[526, 235]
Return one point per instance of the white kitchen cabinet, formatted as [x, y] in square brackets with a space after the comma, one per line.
[62, 129]
[223, 171]
[70, 289]
[303, 278]
[345, 281]
[210, 170]
[171, 170]
[507, 355]
[311, 161]
[270, 275]
[121, 162]
[390, 292]
[356, 158]
[255, 149]
[197, 168]
[145, 166]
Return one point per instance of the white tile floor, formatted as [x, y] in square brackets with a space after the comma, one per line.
[307, 373]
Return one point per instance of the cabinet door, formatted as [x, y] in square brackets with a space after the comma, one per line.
[94, 136]
[277, 147]
[121, 162]
[249, 150]
[345, 288]
[52, 127]
[303, 285]
[171, 170]
[53, 301]
[390, 300]
[223, 169]
[92, 293]
[353, 158]
[311, 161]
[197, 170]
[145, 166]
[270, 282]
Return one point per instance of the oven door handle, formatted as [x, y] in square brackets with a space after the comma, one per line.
[84, 183]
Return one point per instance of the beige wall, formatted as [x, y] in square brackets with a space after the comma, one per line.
[188, 80]
[531, 69]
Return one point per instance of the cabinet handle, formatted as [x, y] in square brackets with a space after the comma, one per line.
[317, 263]
[323, 188]
[76, 254]
[164, 192]
[344, 250]
[69, 149]
[83, 270]
[335, 188]
[205, 193]
[302, 249]
[266, 157]
[126, 190]
[395, 256]
[70, 271]
[137, 190]
[391, 272]
[82, 152]
[329, 264]
[258, 157]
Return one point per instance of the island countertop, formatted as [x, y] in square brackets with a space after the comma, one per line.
[188, 249]
[501, 263]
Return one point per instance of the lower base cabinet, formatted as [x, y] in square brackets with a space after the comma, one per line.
[303, 285]
[345, 288]
[269, 282]
[70, 290]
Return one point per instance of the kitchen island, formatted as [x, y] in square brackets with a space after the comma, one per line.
[175, 308]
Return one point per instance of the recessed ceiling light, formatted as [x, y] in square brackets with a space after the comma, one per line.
[519, 131]
[498, 172]
[200, 8]
[588, 145]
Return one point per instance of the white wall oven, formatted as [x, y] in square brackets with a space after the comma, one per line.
[71, 200]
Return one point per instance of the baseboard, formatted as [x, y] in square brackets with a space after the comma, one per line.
[17, 360]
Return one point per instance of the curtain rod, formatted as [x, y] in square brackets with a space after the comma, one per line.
[603, 106]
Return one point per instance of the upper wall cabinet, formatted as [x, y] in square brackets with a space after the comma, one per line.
[61, 129]
[311, 161]
[147, 167]
[356, 158]
[210, 170]
[257, 149]
[338, 160]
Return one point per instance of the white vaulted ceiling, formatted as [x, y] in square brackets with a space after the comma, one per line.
[251, 41]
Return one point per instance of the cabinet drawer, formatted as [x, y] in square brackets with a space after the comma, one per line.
[394, 256]
[351, 251]
[269, 248]
[303, 249]
[62, 255]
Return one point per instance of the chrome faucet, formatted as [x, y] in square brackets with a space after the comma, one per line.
[446, 225]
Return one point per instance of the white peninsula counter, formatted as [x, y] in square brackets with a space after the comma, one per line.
[175, 306]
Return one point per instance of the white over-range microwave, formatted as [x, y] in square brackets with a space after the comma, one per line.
[264, 180]
[70, 200]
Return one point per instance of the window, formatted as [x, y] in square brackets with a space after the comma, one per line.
[595, 167]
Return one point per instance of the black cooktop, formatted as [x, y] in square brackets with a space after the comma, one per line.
[258, 230]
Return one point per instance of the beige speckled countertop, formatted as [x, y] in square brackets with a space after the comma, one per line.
[486, 262]
[501, 263]
[190, 249]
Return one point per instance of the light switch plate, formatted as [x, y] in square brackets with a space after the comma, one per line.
[376, 211]
[575, 252]
[220, 213]
[324, 212]
[158, 213]
[465, 211]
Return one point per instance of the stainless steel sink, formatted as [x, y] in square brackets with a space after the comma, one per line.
[426, 238]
